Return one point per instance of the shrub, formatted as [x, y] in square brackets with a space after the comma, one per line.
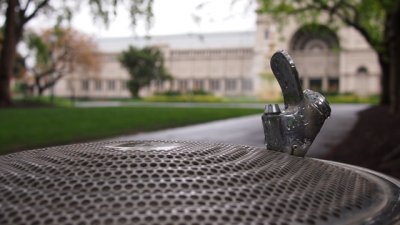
[200, 92]
[183, 98]
[168, 93]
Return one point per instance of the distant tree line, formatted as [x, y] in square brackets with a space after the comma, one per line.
[18, 13]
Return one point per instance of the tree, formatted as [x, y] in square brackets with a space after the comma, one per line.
[19, 68]
[377, 21]
[18, 13]
[59, 52]
[143, 65]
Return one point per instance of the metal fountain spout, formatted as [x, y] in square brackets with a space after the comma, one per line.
[293, 129]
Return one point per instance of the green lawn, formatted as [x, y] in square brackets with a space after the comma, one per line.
[39, 127]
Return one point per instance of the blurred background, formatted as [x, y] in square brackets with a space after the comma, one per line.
[74, 71]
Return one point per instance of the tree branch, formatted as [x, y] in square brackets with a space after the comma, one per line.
[350, 20]
[53, 81]
[42, 74]
[33, 14]
[304, 9]
[374, 43]
[26, 6]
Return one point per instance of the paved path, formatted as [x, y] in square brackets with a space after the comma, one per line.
[248, 131]
[336, 128]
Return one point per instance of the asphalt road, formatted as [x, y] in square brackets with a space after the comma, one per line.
[248, 131]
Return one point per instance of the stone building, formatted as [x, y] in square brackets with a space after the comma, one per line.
[328, 61]
[237, 63]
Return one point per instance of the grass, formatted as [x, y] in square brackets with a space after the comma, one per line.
[332, 98]
[39, 127]
[43, 101]
[250, 99]
[352, 98]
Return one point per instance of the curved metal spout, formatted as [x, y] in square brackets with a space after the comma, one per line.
[293, 129]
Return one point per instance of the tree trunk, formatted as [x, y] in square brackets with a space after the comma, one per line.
[385, 82]
[5, 95]
[134, 88]
[394, 51]
[8, 52]
[384, 62]
[40, 91]
[36, 86]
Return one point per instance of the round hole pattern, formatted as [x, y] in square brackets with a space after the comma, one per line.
[167, 182]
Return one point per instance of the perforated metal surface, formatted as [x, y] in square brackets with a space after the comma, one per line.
[153, 182]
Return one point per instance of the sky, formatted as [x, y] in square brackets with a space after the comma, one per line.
[175, 17]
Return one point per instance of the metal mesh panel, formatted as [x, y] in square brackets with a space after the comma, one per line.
[151, 182]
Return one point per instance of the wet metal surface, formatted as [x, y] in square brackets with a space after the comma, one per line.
[164, 182]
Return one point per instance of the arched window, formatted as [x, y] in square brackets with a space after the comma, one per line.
[313, 49]
[314, 38]
[362, 71]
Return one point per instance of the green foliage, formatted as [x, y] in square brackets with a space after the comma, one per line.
[168, 93]
[44, 101]
[106, 9]
[351, 98]
[200, 92]
[176, 93]
[20, 88]
[19, 69]
[144, 65]
[183, 98]
[40, 127]
[246, 99]
[59, 52]
[101, 10]
[40, 48]
[177, 96]
[268, 76]
[366, 16]
[17, 14]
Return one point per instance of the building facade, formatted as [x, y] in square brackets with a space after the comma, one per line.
[237, 63]
[327, 61]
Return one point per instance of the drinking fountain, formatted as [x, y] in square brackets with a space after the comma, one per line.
[176, 182]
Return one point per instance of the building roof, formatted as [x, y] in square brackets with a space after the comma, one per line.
[181, 41]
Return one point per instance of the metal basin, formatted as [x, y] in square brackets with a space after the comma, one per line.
[166, 182]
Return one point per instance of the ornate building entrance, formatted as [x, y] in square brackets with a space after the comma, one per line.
[315, 49]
